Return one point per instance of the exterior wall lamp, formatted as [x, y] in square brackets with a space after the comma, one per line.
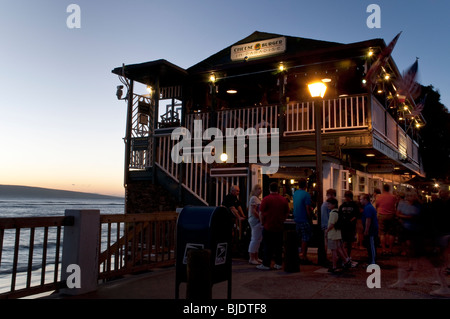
[119, 92]
[150, 90]
[223, 157]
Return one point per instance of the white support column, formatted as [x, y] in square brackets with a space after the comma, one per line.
[327, 178]
[80, 252]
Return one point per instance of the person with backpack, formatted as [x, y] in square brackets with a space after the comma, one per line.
[335, 237]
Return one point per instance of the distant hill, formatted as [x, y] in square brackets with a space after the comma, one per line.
[11, 191]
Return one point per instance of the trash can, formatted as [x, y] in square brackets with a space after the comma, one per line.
[206, 228]
[291, 243]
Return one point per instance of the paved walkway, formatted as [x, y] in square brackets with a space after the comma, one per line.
[311, 282]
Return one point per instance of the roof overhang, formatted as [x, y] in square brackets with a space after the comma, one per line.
[149, 73]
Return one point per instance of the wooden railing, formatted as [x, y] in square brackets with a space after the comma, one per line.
[42, 271]
[136, 242]
[142, 120]
[250, 117]
[194, 180]
[31, 249]
[387, 128]
[346, 113]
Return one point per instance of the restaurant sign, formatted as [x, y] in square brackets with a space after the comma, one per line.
[258, 49]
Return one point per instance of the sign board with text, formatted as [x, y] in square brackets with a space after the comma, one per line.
[258, 49]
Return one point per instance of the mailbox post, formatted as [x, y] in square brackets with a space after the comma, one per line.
[205, 228]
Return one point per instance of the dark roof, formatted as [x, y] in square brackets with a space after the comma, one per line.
[294, 45]
[147, 73]
[309, 50]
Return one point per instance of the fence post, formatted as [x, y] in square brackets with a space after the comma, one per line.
[80, 252]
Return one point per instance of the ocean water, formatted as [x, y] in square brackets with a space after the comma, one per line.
[35, 207]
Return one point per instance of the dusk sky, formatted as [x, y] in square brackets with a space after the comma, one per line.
[61, 124]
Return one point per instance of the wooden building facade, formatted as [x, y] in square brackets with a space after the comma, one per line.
[257, 89]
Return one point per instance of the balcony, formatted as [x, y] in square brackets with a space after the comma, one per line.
[342, 116]
[347, 113]
[392, 140]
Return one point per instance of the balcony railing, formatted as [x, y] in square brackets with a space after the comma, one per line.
[345, 113]
[387, 129]
[342, 114]
[251, 117]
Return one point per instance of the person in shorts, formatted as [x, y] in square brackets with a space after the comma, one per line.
[386, 209]
[335, 238]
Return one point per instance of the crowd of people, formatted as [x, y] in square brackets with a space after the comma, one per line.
[377, 223]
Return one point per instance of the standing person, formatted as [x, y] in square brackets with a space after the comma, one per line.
[386, 208]
[232, 202]
[370, 224]
[359, 227]
[375, 194]
[335, 237]
[325, 214]
[349, 210]
[440, 210]
[273, 212]
[255, 224]
[410, 235]
[303, 218]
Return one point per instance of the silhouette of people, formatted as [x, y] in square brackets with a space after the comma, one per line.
[370, 224]
[335, 237]
[274, 211]
[385, 204]
[303, 218]
[255, 224]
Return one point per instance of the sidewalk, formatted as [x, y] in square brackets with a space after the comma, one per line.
[312, 282]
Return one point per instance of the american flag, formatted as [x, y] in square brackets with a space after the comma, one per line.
[381, 61]
[407, 84]
[419, 107]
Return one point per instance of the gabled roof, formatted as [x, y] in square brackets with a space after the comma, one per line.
[294, 45]
[297, 48]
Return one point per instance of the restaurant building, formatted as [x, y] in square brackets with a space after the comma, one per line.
[258, 87]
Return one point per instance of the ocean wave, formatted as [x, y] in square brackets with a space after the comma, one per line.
[52, 203]
[22, 268]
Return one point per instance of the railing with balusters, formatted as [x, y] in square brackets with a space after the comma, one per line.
[136, 242]
[195, 179]
[387, 128]
[344, 113]
[142, 128]
[129, 243]
[250, 117]
[31, 271]
[347, 113]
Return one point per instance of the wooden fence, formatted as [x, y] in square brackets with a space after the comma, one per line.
[136, 242]
[129, 243]
[49, 229]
